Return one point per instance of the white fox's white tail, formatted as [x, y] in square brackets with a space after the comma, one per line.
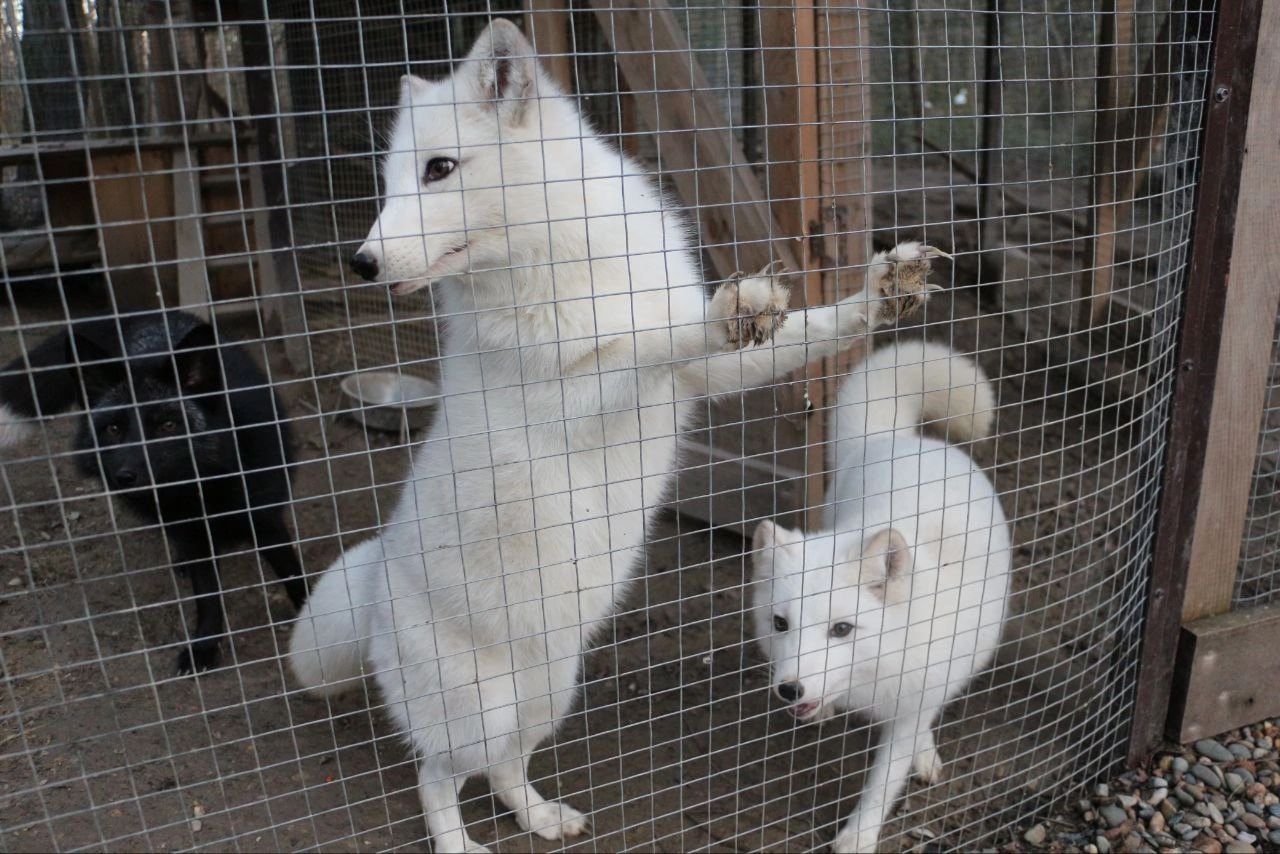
[911, 383]
[330, 637]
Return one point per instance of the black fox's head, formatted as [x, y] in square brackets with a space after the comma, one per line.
[154, 418]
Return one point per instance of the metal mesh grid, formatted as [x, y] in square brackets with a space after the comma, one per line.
[138, 149]
[1258, 577]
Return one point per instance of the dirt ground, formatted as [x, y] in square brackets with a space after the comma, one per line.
[675, 743]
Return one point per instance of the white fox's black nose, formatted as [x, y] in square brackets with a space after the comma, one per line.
[789, 691]
[364, 265]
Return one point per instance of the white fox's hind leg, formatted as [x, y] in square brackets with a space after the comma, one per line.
[926, 763]
[534, 813]
[438, 789]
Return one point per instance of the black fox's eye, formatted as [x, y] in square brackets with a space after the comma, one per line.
[841, 630]
[168, 426]
[780, 624]
[111, 431]
[439, 168]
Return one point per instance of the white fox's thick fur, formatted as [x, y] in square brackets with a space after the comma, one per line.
[577, 338]
[900, 601]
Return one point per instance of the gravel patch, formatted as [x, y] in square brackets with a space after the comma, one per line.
[1219, 795]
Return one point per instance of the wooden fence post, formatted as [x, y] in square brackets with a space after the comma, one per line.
[1199, 349]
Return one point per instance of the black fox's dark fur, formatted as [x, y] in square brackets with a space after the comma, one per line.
[185, 432]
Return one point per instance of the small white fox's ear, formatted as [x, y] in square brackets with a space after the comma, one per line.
[887, 562]
[770, 538]
[502, 69]
[411, 88]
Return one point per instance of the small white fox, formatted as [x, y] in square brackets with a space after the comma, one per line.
[894, 607]
[577, 340]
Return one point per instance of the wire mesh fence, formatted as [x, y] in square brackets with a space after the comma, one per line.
[1258, 576]
[545, 469]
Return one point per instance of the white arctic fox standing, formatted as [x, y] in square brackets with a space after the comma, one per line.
[899, 602]
[577, 338]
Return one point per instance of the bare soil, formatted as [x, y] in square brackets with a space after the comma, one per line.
[675, 743]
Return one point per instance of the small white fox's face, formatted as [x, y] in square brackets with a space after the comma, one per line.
[465, 152]
[819, 613]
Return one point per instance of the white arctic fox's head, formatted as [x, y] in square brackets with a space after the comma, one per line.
[466, 154]
[819, 609]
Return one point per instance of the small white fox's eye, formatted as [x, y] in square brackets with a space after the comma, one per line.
[780, 624]
[438, 168]
[841, 630]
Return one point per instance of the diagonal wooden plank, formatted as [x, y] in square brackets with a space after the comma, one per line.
[696, 146]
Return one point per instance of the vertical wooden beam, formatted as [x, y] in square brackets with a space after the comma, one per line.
[547, 25]
[1222, 154]
[789, 75]
[1248, 327]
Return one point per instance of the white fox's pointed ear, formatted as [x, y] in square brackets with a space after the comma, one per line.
[412, 88]
[770, 537]
[502, 70]
[886, 565]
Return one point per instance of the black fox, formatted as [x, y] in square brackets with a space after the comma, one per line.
[184, 431]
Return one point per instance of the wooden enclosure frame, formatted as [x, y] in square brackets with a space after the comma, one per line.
[1185, 689]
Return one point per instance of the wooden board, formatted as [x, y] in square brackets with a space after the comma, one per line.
[1228, 673]
[133, 197]
[1248, 327]
[1235, 47]
[696, 147]
[547, 26]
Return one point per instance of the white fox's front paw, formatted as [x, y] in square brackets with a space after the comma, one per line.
[753, 307]
[553, 820]
[928, 765]
[899, 279]
[851, 840]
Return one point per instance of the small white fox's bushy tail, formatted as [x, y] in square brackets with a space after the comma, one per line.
[912, 383]
[330, 637]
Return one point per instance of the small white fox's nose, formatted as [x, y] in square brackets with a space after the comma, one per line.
[789, 691]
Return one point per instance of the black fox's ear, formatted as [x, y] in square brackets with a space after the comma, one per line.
[100, 363]
[196, 355]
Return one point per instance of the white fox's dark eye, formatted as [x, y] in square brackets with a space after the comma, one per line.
[438, 168]
[841, 630]
[780, 624]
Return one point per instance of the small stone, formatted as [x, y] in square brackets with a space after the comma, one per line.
[1245, 774]
[1127, 801]
[1211, 749]
[1207, 774]
[1207, 844]
[1256, 822]
[1102, 790]
[1180, 764]
[1133, 842]
[1274, 810]
[16, 581]
[1185, 797]
[1273, 823]
[1158, 783]
[1215, 814]
[1238, 847]
[1235, 783]
[1036, 835]
[1091, 849]
[1240, 750]
[1157, 797]
[1274, 837]
[1113, 815]
[1156, 823]
[197, 825]
[1083, 806]
[1246, 836]
[1199, 822]
[922, 833]
[1102, 844]
[1168, 810]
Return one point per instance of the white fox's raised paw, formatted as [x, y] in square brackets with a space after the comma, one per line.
[851, 840]
[552, 820]
[753, 307]
[900, 278]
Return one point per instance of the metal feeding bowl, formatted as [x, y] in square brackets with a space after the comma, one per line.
[390, 401]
